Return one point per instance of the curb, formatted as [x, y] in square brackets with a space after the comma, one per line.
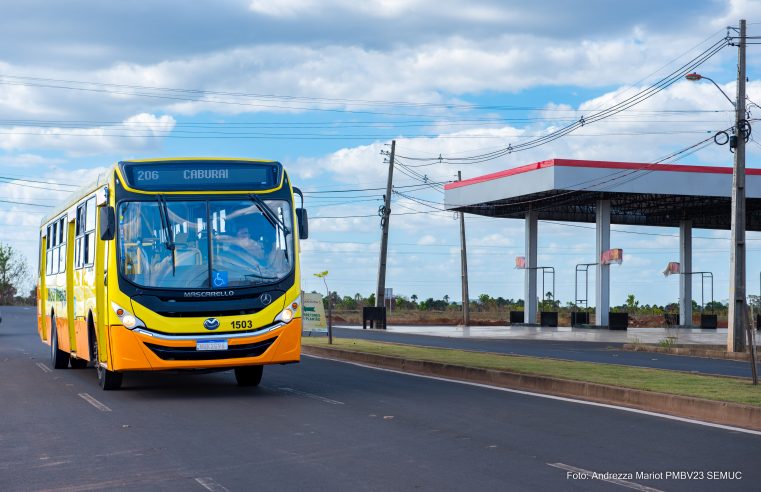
[689, 351]
[724, 413]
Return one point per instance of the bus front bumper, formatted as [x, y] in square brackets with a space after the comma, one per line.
[143, 350]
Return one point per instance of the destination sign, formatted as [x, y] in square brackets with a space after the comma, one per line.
[201, 175]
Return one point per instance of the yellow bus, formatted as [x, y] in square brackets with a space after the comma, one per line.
[174, 264]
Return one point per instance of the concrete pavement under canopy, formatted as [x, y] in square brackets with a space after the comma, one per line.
[606, 193]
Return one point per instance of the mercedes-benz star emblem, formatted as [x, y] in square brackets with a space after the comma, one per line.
[211, 324]
[265, 298]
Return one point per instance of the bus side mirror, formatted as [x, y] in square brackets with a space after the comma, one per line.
[107, 223]
[301, 216]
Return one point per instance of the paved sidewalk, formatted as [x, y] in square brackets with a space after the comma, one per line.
[587, 345]
[644, 335]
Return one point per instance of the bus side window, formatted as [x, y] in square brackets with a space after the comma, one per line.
[89, 249]
[62, 244]
[56, 251]
[79, 233]
[49, 252]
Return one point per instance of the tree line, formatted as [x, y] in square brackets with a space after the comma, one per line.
[14, 275]
[487, 303]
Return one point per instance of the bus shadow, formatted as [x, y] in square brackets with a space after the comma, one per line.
[190, 386]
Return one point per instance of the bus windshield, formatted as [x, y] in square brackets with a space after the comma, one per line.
[205, 244]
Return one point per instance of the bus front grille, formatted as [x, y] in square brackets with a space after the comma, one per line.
[232, 352]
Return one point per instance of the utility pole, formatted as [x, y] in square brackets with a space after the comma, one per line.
[737, 301]
[464, 267]
[380, 293]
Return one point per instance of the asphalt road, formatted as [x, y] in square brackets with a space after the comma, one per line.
[324, 425]
[604, 352]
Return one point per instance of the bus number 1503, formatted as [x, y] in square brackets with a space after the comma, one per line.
[147, 175]
[241, 324]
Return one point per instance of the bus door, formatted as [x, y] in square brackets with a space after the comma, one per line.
[100, 288]
[42, 291]
[70, 297]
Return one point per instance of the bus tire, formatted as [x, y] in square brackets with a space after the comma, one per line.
[58, 358]
[249, 375]
[108, 380]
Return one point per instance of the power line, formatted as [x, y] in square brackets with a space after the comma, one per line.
[27, 180]
[13, 183]
[27, 204]
[624, 105]
[181, 93]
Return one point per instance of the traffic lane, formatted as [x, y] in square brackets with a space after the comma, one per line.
[330, 425]
[51, 436]
[169, 431]
[554, 431]
[601, 352]
[386, 430]
[286, 435]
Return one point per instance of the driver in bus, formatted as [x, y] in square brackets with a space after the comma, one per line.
[255, 247]
[240, 237]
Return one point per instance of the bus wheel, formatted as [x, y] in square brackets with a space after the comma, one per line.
[77, 363]
[108, 380]
[249, 375]
[58, 358]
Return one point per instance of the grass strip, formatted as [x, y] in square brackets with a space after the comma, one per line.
[718, 388]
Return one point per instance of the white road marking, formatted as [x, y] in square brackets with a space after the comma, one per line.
[310, 395]
[552, 397]
[52, 463]
[616, 481]
[210, 484]
[92, 401]
[44, 367]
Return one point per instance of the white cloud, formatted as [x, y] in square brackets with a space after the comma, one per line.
[333, 225]
[26, 160]
[138, 132]
[371, 8]
[436, 52]
[427, 239]
[431, 71]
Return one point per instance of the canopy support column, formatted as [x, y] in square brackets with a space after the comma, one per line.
[529, 286]
[602, 286]
[685, 280]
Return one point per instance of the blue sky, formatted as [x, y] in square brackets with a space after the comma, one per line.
[325, 86]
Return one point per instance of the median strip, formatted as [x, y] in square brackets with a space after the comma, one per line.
[723, 400]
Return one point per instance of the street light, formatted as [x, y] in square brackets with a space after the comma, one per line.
[694, 76]
[738, 316]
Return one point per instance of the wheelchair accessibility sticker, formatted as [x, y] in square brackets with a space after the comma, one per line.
[219, 279]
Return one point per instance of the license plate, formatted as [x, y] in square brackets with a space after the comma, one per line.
[211, 345]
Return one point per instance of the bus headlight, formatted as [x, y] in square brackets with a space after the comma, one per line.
[286, 315]
[129, 320]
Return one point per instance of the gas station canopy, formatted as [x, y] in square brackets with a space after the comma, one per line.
[638, 193]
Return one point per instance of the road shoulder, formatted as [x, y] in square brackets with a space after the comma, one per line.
[718, 412]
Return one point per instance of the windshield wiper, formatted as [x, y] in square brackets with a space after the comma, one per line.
[169, 233]
[260, 277]
[269, 214]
